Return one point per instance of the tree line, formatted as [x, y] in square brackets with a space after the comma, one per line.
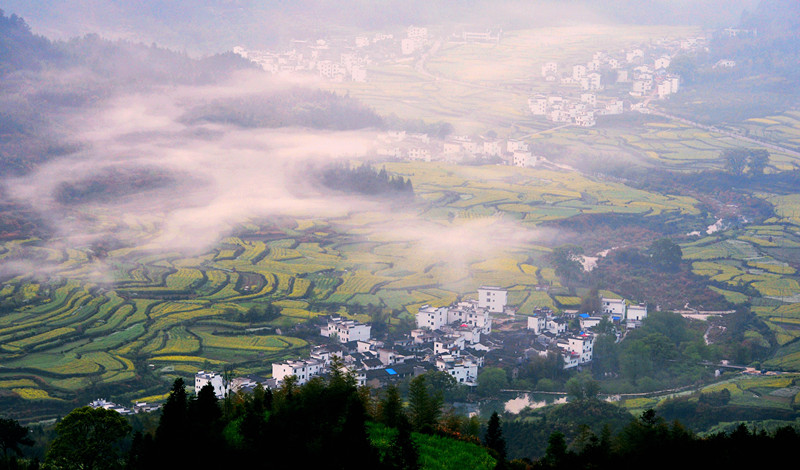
[364, 179]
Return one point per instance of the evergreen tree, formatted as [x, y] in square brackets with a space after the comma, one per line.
[425, 408]
[494, 440]
[390, 410]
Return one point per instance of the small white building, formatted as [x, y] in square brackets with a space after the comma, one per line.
[583, 346]
[637, 312]
[537, 323]
[346, 330]
[470, 314]
[419, 154]
[304, 370]
[549, 68]
[358, 74]
[202, 378]
[664, 89]
[432, 318]
[590, 322]
[408, 46]
[492, 298]
[615, 107]
[614, 307]
[661, 63]
[578, 72]
[538, 105]
[449, 344]
[464, 370]
[523, 159]
[592, 82]
[492, 148]
[589, 98]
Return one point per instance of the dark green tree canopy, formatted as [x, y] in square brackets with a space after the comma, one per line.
[13, 435]
[88, 439]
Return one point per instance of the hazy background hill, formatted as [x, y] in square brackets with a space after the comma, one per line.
[210, 26]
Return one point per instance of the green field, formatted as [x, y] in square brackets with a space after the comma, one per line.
[140, 317]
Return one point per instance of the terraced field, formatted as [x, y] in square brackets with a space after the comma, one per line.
[159, 315]
[138, 317]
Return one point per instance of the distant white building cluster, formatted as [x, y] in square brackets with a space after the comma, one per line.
[138, 407]
[645, 69]
[624, 311]
[576, 347]
[551, 332]
[401, 145]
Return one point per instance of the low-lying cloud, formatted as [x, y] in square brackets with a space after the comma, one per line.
[220, 176]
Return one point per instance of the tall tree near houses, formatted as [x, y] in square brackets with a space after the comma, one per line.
[390, 408]
[495, 441]
[424, 407]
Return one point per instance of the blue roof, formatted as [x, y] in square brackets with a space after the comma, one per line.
[584, 315]
[391, 372]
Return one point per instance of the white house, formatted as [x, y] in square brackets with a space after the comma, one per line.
[538, 105]
[449, 344]
[303, 370]
[549, 68]
[614, 307]
[493, 298]
[664, 89]
[202, 378]
[408, 46]
[451, 148]
[589, 322]
[431, 318]
[614, 107]
[583, 346]
[637, 312]
[417, 32]
[419, 154]
[346, 330]
[537, 323]
[592, 82]
[493, 148]
[589, 98]
[468, 313]
[661, 63]
[464, 370]
[578, 72]
[585, 119]
[523, 159]
[358, 74]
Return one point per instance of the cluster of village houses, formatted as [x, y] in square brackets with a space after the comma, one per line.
[645, 69]
[338, 59]
[346, 58]
[401, 145]
[454, 339]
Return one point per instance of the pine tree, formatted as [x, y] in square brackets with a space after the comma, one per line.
[494, 440]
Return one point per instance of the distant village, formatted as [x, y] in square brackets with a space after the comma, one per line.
[611, 83]
[455, 339]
